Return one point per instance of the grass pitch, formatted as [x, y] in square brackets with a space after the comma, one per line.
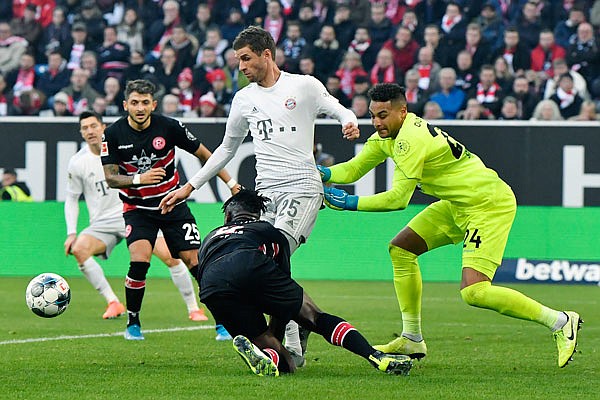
[473, 354]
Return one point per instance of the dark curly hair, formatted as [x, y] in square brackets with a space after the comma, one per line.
[141, 86]
[383, 92]
[257, 39]
[246, 201]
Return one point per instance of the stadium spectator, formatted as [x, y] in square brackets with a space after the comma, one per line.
[27, 27]
[293, 45]
[430, 11]
[453, 27]
[360, 106]
[384, 69]
[404, 49]
[560, 68]
[253, 11]
[60, 106]
[492, 26]
[12, 189]
[349, 70]
[432, 110]
[380, 27]
[274, 22]
[449, 97]
[215, 41]
[200, 71]
[431, 38]
[525, 97]
[113, 12]
[5, 106]
[154, 172]
[202, 22]
[23, 78]
[321, 157]
[169, 106]
[189, 98]
[223, 95]
[509, 110]
[474, 111]
[307, 67]
[466, 75]
[309, 23]
[55, 77]
[280, 60]
[185, 46]
[566, 97]
[113, 56]
[529, 24]
[326, 52]
[73, 49]
[415, 96]
[342, 24]
[503, 76]
[587, 112]
[514, 52]
[565, 31]
[55, 34]
[583, 54]
[209, 108]
[81, 94]
[89, 62]
[159, 31]
[487, 92]
[334, 87]
[138, 69]
[410, 21]
[11, 48]
[91, 17]
[360, 11]
[99, 106]
[363, 46]
[477, 46]
[361, 85]
[545, 53]
[233, 25]
[427, 69]
[113, 96]
[166, 70]
[230, 265]
[595, 14]
[43, 9]
[546, 110]
[323, 10]
[235, 80]
[131, 30]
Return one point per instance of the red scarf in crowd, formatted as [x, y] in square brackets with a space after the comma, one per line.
[566, 98]
[424, 76]
[487, 96]
[24, 81]
[389, 75]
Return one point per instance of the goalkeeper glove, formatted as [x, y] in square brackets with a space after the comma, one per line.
[338, 199]
[325, 173]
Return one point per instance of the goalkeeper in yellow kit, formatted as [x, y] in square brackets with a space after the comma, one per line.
[475, 207]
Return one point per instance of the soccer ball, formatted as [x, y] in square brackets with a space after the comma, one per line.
[48, 295]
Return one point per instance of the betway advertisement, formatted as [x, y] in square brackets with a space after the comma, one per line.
[525, 270]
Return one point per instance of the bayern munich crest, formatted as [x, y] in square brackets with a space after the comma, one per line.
[159, 143]
[290, 103]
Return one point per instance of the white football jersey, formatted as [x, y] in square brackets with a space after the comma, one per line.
[86, 176]
[281, 121]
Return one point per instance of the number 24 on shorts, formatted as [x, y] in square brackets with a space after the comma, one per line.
[475, 238]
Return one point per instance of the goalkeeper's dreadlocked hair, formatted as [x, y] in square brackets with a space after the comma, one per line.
[246, 202]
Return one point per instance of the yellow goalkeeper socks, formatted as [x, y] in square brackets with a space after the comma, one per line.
[409, 289]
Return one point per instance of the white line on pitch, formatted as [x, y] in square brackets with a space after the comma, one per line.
[99, 335]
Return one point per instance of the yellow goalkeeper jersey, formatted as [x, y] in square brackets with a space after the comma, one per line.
[426, 158]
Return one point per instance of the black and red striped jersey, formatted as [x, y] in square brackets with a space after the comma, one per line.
[136, 152]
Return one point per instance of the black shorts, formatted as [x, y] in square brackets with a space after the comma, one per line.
[244, 285]
[178, 227]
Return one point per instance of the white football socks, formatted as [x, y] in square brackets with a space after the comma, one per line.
[292, 338]
[182, 279]
[95, 275]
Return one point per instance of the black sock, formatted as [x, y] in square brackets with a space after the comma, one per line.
[340, 333]
[135, 286]
[133, 318]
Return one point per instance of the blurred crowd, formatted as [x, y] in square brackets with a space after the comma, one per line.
[498, 59]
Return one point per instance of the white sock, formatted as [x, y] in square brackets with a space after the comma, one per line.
[292, 338]
[95, 275]
[561, 320]
[182, 279]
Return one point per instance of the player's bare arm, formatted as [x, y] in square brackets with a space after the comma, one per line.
[116, 180]
[204, 154]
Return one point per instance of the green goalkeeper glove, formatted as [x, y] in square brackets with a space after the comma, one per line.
[325, 173]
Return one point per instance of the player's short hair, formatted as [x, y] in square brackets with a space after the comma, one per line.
[246, 201]
[257, 39]
[90, 113]
[383, 92]
[141, 86]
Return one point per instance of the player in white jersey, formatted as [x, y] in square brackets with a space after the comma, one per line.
[279, 109]
[107, 227]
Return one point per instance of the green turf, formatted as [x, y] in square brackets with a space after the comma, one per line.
[473, 354]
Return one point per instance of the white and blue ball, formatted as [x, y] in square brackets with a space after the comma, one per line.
[48, 295]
